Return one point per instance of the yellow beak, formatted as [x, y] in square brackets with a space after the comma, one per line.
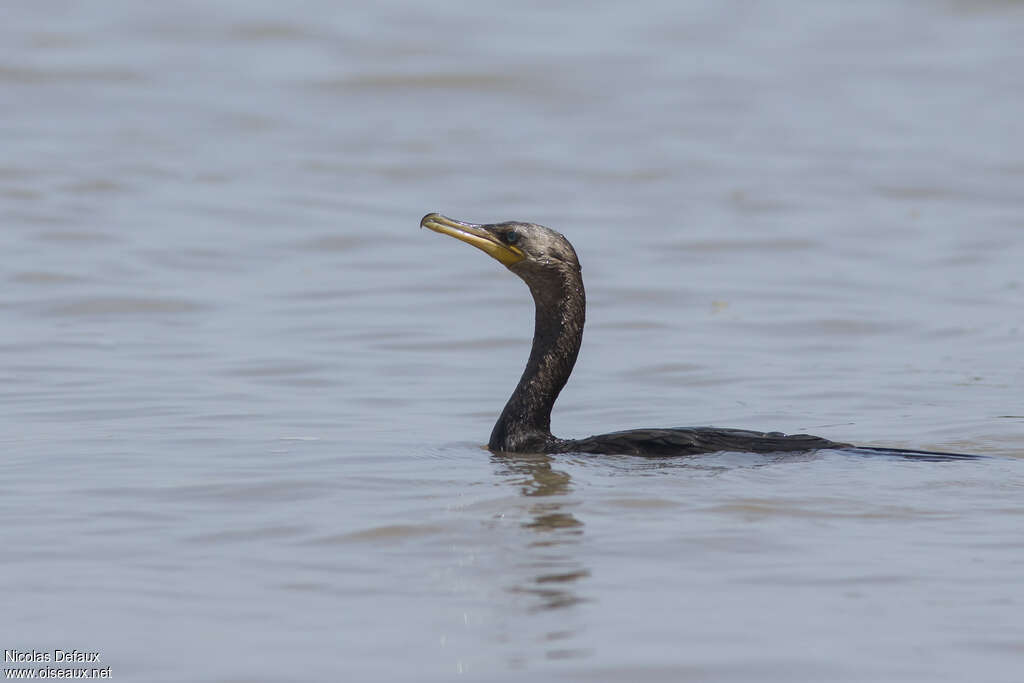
[477, 235]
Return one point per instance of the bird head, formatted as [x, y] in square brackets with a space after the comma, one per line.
[527, 249]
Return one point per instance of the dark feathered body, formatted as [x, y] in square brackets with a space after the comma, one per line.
[695, 440]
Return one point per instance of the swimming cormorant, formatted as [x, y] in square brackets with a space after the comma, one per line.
[547, 262]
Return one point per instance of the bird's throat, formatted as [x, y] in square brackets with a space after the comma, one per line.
[525, 423]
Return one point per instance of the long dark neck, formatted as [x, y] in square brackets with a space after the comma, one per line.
[525, 423]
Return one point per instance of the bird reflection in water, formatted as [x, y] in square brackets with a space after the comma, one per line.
[555, 570]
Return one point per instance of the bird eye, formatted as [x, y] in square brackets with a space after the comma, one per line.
[511, 237]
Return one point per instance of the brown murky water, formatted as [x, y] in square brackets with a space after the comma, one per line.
[244, 397]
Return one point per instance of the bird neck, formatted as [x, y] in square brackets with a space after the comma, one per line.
[525, 423]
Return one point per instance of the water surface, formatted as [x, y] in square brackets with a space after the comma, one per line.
[244, 399]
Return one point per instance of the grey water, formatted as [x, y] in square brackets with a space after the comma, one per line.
[244, 399]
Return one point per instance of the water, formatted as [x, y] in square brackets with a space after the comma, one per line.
[244, 398]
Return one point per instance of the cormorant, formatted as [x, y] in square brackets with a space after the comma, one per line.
[547, 262]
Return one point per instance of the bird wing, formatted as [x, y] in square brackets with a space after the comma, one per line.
[695, 440]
